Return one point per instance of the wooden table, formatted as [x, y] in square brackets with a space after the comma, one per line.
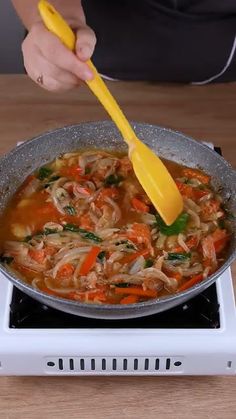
[205, 113]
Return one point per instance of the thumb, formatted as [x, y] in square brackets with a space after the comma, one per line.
[85, 43]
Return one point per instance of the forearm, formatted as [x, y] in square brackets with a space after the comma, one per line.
[71, 10]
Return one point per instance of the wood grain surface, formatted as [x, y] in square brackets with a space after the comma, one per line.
[205, 113]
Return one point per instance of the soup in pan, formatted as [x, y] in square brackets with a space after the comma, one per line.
[83, 228]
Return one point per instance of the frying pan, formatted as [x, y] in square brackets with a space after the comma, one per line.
[26, 158]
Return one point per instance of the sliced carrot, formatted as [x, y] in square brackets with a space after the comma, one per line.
[130, 299]
[140, 233]
[191, 282]
[73, 172]
[65, 271]
[185, 190]
[220, 244]
[37, 255]
[136, 291]
[86, 222]
[219, 234]
[138, 205]
[133, 256]
[196, 174]
[220, 239]
[89, 260]
[199, 193]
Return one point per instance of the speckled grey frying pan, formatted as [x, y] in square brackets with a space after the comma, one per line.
[20, 162]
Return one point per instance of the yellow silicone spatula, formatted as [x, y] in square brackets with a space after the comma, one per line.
[149, 169]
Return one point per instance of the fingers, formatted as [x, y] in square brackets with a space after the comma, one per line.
[85, 44]
[53, 78]
[56, 52]
[45, 55]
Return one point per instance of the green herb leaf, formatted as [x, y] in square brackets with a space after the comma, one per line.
[221, 224]
[84, 233]
[6, 259]
[51, 180]
[44, 173]
[203, 187]
[87, 170]
[89, 235]
[229, 215]
[71, 227]
[148, 263]
[113, 180]
[179, 256]
[122, 285]
[70, 210]
[27, 239]
[48, 231]
[102, 256]
[177, 227]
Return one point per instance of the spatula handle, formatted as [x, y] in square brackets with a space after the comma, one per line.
[58, 26]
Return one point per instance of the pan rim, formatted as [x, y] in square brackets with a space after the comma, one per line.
[107, 307]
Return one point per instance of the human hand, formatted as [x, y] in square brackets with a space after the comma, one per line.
[51, 64]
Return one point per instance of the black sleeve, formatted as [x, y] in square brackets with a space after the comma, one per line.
[146, 40]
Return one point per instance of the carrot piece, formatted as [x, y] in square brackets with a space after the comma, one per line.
[65, 271]
[37, 255]
[140, 233]
[136, 291]
[130, 299]
[71, 172]
[220, 239]
[194, 280]
[199, 193]
[132, 256]
[185, 190]
[196, 174]
[89, 260]
[86, 222]
[220, 244]
[138, 205]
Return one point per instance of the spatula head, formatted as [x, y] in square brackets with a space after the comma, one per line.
[156, 181]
